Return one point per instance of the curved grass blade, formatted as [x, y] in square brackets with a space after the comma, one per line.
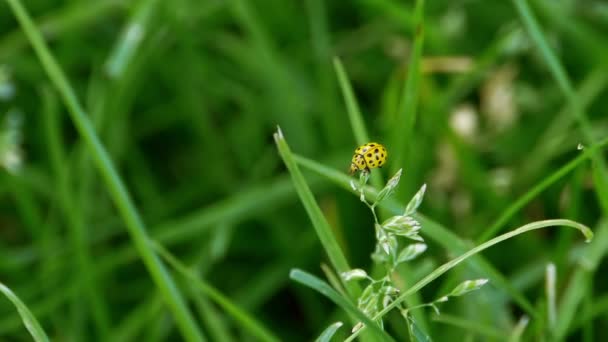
[323, 288]
[27, 317]
[329, 332]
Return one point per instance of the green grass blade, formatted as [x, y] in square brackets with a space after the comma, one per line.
[27, 317]
[321, 45]
[403, 127]
[319, 222]
[329, 332]
[323, 288]
[114, 184]
[243, 318]
[130, 39]
[550, 289]
[354, 113]
[578, 284]
[352, 107]
[522, 201]
[519, 329]
[73, 214]
[561, 77]
[454, 262]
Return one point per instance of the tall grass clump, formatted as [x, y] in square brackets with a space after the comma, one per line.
[142, 197]
[383, 294]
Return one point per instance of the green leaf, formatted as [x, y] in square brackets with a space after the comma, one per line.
[323, 288]
[329, 332]
[468, 286]
[366, 296]
[319, 222]
[30, 322]
[388, 244]
[354, 115]
[415, 202]
[411, 252]
[389, 188]
[354, 274]
[416, 333]
[402, 130]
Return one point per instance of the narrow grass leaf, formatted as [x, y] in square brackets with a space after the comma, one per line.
[323, 288]
[402, 132]
[333, 279]
[550, 286]
[577, 285]
[30, 322]
[319, 222]
[130, 39]
[354, 113]
[416, 331]
[519, 329]
[329, 332]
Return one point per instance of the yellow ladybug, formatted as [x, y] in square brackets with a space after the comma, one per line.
[368, 156]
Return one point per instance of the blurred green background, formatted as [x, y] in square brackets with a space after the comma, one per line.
[185, 96]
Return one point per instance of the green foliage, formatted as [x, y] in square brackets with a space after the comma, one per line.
[30, 322]
[142, 197]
